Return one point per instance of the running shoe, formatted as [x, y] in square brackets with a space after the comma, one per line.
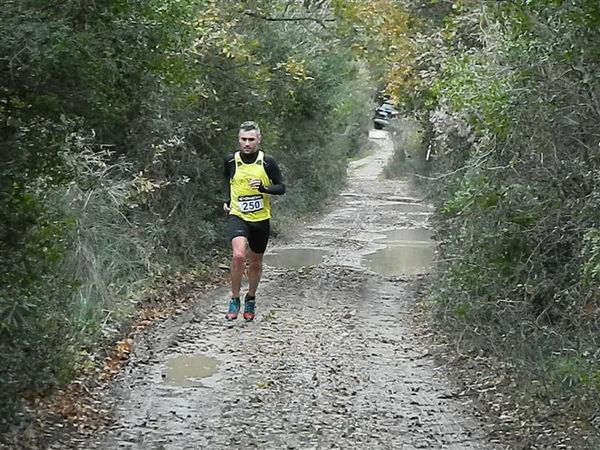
[249, 309]
[234, 309]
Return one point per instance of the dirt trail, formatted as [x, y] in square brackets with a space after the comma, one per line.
[332, 360]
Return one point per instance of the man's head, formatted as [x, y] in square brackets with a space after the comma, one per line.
[249, 137]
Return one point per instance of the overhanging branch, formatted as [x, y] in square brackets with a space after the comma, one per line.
[288, 19]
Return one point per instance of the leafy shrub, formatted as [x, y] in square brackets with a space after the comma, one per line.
[506, 97]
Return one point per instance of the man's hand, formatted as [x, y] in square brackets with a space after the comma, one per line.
[226, 207]
[255, 183]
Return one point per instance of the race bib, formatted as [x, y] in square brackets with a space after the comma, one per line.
[251, 203]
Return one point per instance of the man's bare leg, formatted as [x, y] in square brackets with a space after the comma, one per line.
[254, 274]
[254, 271]
[238, 262]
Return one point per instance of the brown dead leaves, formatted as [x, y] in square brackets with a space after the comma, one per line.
[83, 407]
[117, 358]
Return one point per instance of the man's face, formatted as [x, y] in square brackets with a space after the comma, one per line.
[249, 141]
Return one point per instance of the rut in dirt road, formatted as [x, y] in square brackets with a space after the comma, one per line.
[331, 360]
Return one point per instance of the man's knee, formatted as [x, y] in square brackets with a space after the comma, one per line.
[239, 256]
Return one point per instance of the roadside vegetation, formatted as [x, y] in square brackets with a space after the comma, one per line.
[114, 119]
[115, 116]
[507, 96]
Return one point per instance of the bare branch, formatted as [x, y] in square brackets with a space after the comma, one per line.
[477, 163]
[289, 19]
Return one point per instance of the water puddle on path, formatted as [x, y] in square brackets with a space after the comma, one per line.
[404, 235]
[188, 370]
[409, 208]
[410, 252]
[295, 257]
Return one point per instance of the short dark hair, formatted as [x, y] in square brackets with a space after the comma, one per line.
[250, 125]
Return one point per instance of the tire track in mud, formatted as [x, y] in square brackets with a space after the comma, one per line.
[330, 362]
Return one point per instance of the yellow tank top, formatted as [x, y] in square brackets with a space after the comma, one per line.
[246, 201]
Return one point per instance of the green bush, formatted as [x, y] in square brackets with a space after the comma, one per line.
[506, 95]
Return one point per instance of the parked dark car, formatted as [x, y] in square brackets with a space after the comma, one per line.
[381, 119]
[389, 108]
[383, 115]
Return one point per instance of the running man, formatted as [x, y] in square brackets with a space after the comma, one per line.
[253, 177]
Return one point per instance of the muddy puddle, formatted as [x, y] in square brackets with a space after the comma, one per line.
[295, 257]
[189, 370]
[406, 235]
[409, 252]
[409, 208]
[401, 260]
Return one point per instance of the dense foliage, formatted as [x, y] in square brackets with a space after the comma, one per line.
[114, 118]
[508, 97]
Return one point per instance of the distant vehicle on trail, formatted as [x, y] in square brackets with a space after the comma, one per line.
[383, 115]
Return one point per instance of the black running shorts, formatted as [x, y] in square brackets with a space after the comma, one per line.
[257, 233]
